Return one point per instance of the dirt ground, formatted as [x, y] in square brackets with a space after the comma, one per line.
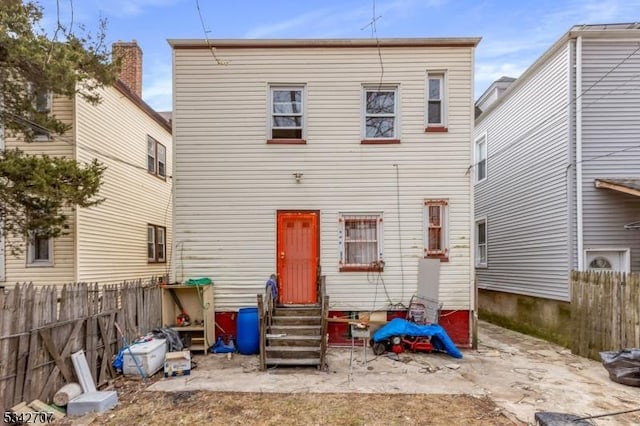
[139, 407]
[506, 381]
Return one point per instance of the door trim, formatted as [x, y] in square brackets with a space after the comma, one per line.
[278, 248]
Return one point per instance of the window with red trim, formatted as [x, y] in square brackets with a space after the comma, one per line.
[360, 242]
[287, 113]
[436, 225]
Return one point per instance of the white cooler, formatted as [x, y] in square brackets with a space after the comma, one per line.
[149, 355]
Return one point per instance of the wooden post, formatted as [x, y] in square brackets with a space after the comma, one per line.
[263, 333]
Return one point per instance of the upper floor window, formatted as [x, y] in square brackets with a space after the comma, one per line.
[481, 243]
[380, 115]
[360, 242]
[437, 235]
[156, 243]
[481, 158]
[287, 114]
[436, 114]
[156, 158]
[39, 250]
[42, 104]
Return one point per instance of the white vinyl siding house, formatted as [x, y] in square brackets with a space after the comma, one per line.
[367, 165]
[24, 267]
[106, 243]
[525, 195]
[610, 139]
[112, 237]
[570, 121]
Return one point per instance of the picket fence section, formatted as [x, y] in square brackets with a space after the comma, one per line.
[41, 326]
[605, 312]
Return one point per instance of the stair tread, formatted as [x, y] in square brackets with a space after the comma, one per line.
[296, 326]
[297, 306]
[293, 361]
[292, 348]
[297, 316]
[294, 337]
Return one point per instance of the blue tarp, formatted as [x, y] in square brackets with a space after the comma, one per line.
[401, 327]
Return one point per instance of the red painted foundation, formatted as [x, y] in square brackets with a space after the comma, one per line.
[457, 326]
[455, 323]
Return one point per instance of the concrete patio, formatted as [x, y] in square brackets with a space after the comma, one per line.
[520, 373]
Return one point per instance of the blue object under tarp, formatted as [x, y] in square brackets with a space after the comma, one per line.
[401, 327]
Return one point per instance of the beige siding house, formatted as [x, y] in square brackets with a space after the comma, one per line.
[127, 236]
[295, 155]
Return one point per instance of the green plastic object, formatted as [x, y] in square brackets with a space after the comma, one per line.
[198, 281]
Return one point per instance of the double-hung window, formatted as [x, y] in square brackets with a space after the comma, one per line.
[156, 158]
[39, 250]
[156, 243]
[436, 105]
[481, 158]
[481, 243]
[360, 242]
[287, 114]
[436, 225]
[380, 115]
[42, 101]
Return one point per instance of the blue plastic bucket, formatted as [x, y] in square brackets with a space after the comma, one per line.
[248, 331]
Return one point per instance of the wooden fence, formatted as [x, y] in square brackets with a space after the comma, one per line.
[605, 312]
[41, 326]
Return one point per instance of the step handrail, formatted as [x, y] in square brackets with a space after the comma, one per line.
[324, 304]
[266, 306]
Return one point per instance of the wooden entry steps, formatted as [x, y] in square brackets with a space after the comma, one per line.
[295, 336]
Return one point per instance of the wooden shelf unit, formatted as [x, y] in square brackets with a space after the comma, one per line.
[198, 304]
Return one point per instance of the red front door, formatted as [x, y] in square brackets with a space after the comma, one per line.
[298, 244]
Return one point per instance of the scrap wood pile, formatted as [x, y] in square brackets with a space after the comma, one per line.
[73, 399]
[34, 412]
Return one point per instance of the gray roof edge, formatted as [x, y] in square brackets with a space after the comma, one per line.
[525, 75]
[503, 79]
[336, 42]
[587, 31]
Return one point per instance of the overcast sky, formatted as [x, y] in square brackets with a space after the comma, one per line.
[514, 33]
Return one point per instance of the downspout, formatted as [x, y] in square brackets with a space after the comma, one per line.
[579, 153]
[473, 290]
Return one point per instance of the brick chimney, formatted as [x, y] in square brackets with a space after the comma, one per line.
[130, 56]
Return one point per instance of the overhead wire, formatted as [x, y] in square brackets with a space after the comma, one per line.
[374, 34]
[551, 119]
[206, 32]
[69, 141]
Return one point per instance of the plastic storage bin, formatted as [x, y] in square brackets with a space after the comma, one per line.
[150, 356]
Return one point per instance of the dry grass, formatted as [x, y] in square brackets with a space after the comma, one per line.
[137, 406]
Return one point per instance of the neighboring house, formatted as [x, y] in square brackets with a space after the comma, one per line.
[557, 167]
[493, 93]
[347, 155]
[128, 235]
